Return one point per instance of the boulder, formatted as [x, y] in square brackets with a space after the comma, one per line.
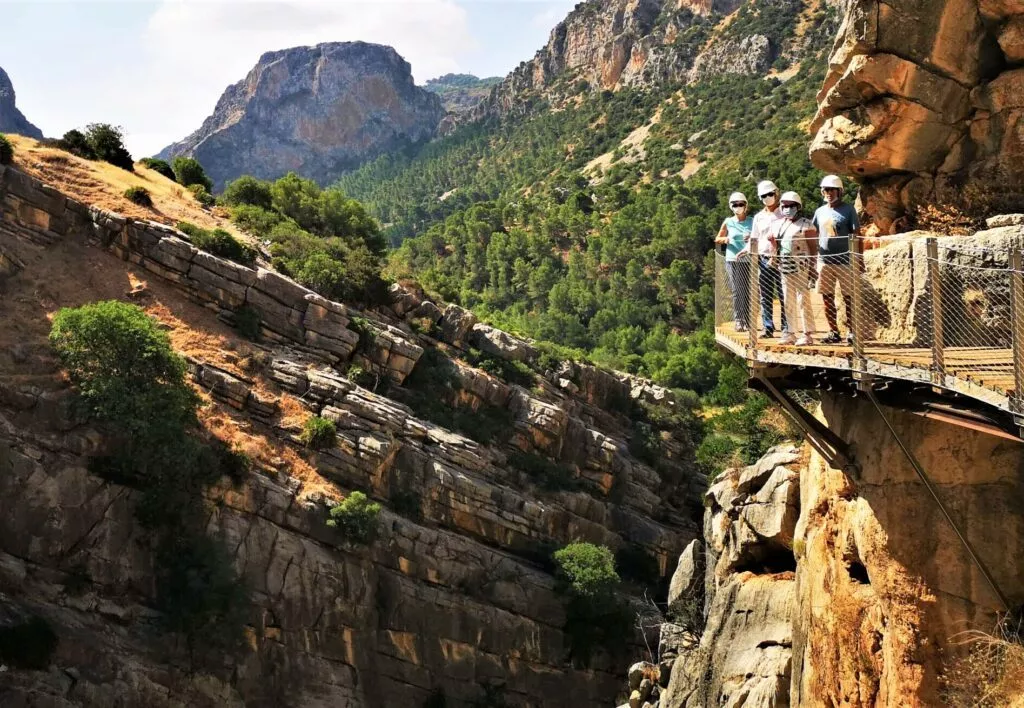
[501, 344]
[688, 576]
[456, 323]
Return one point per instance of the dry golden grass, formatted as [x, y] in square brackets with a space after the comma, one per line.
[103, 185]
[989, 672]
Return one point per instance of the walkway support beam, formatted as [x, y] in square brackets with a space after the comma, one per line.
[938, 502]
[1017, 332]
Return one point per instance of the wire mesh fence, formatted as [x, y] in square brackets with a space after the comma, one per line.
[927, 309]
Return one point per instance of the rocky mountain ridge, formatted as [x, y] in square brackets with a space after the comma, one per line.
[453, 598]
[317, 111]
[12, 120]
[461, 92]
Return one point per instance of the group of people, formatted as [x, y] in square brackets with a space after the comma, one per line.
[794, 255]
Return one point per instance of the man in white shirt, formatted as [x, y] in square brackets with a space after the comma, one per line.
[769, 280]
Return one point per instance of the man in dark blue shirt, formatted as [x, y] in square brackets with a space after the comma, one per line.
[835, 221]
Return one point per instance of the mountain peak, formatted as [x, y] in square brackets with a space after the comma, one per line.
[315, 110]
[13, 120]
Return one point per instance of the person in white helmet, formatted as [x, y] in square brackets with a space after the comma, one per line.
[733, 235]
[796, 246]
[835, 221]
[768, 277]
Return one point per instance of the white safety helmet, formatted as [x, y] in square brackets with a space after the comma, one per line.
[831, 181]
[766, 187]
[737, 197]
[791, 197]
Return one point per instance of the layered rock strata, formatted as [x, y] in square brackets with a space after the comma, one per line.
[452, 599]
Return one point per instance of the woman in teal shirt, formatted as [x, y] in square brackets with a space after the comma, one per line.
[734, 234]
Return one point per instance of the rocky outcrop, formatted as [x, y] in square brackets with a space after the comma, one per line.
[13, 120]
[455, 597]
[316, 111]
[744, 652]
[610, 44]
[921, 103]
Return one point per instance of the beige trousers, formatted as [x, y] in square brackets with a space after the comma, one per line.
[796, 298]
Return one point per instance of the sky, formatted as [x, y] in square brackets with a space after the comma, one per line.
[157, 67]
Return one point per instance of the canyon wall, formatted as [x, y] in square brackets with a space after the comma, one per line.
[454, 599]
[922, 104]
[831, 587]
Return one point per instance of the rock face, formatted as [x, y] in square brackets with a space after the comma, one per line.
[921, 103]
[454, 597]
[744, 654]
[610, 44]
[316, 111]
[11, 119]
[824, 588]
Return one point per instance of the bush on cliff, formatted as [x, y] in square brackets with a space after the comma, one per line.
[188, 171]
[220, 243]
[6, 151]
[131, 381]
[202, 196]
[595, 618]
[159, 166]
[318, 433]
[140, 196]
[356, 518]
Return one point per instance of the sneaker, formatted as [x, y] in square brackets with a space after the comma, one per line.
[831, 338]
[741, 327]
[767, 334]
[849, 338]
[804, 341]
[787, 338]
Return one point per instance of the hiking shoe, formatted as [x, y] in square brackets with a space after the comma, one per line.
[767, 334]
[805, 341]
[741, 327]
[831, 338]
[849, 338]
[787, 338]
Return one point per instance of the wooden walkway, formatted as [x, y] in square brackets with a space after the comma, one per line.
[982, 373]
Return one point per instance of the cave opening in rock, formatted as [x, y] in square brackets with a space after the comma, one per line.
[766, 560]
[858, 573]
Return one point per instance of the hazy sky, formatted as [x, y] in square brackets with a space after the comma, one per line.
[157, 67]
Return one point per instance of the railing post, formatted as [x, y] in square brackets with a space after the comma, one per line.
[1017, 331]
[755, 294]
[856, 324]
[938, 337]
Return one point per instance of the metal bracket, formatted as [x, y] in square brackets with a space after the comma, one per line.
[829, 445]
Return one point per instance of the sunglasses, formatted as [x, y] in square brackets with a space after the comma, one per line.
[737, 204]
[769, 194]
[830, 189]
[789, 204]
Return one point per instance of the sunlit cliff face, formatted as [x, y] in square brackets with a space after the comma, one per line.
[921, 102]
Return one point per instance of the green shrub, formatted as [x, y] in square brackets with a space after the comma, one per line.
[247, 322]
[513, 372]
[188, 171]
[318, 433]
[140, 196]
[107, 144]
[28, 645]
[588, 570]
[255, 220]
[202, 196]
[75, 142]
[249, 191]
[356, 518]
[159, 166]
[123, 366]
[6, 151]
[220, 243]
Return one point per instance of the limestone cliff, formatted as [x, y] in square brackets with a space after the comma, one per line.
[922, 103]
[317, 111]
[833, 587]
[455, 598]
[611, 44]
[13, 120]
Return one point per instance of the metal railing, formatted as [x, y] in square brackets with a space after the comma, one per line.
[948, 311]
